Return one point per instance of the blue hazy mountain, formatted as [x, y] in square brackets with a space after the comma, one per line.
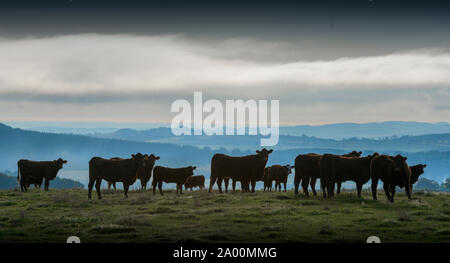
[407, 143]
[367, 130]
[18, 144]
[373, 130]
[8, 180]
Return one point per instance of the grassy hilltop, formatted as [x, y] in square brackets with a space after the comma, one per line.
[39, 216]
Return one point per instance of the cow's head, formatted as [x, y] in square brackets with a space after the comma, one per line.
[151, 159]
[139, 158]
[353, 154]
[59, 163]
[416, 171]
[289, 168]
[264, 153]
[190, 170]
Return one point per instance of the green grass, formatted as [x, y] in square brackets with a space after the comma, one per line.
[39, 216]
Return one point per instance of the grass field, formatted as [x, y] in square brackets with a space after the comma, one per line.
[197, 216]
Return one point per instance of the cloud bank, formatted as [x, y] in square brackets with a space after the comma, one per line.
[117, 69]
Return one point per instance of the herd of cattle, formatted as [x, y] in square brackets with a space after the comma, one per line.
[331, 169]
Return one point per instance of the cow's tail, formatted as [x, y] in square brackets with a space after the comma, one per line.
[18, 173]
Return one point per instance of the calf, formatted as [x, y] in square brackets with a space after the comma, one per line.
[114, 170]
[29, 172]
[279, 174]
[267, 180]
[393, 171]
[37, 181]
[195, 181]
[171, 175]
[264, 179]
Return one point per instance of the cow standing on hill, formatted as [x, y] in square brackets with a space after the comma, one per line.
[393, 171]
[31, 171]
[416, 171]
[279, 174]
[117, 170]
[247, 169]
[337, 169]
[245, 188]
[145, 173]
[307, 171]
[266, 179]
[37, 181]
[195, 181]
[171, 175]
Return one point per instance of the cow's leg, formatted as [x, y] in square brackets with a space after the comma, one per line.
[160, 187]
[181, 189]
[226, 181]
[47, 182]
[233, 181]
[312, 183]
[154, 182]
[90, 186]
[142, 184]
[22, 185]
[392, 190]
[98, 184]
[125, 189]
[359, 189]
[386, 190]
[212, 180]
[109, 186]
[114, 186]
[253, 185]
[374, 188]
[219, 184]
[285, 186]
[305, 186]
[330, 189]
[297, 180]
[408, 190]
[338, 190]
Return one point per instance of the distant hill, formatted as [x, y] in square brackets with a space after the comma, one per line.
[18, 144]
[372, 130]
[429, 185]
[367, 130]
[417, 143]
[7, 181]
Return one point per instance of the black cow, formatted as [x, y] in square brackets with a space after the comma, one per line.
[117, 170]
[246, 169]
[171, 175]
[31, 171]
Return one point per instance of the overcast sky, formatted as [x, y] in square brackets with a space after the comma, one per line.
[326, 62]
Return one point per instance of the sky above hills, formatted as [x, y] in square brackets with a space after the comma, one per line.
[326, 61]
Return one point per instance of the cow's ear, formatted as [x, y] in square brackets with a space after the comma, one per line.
[293, 167]
[133, 155]
[271, 150]
[258, 151]
[65, 161]
[157, 158]
[405, 158]
[194, 167]
[424, 165]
